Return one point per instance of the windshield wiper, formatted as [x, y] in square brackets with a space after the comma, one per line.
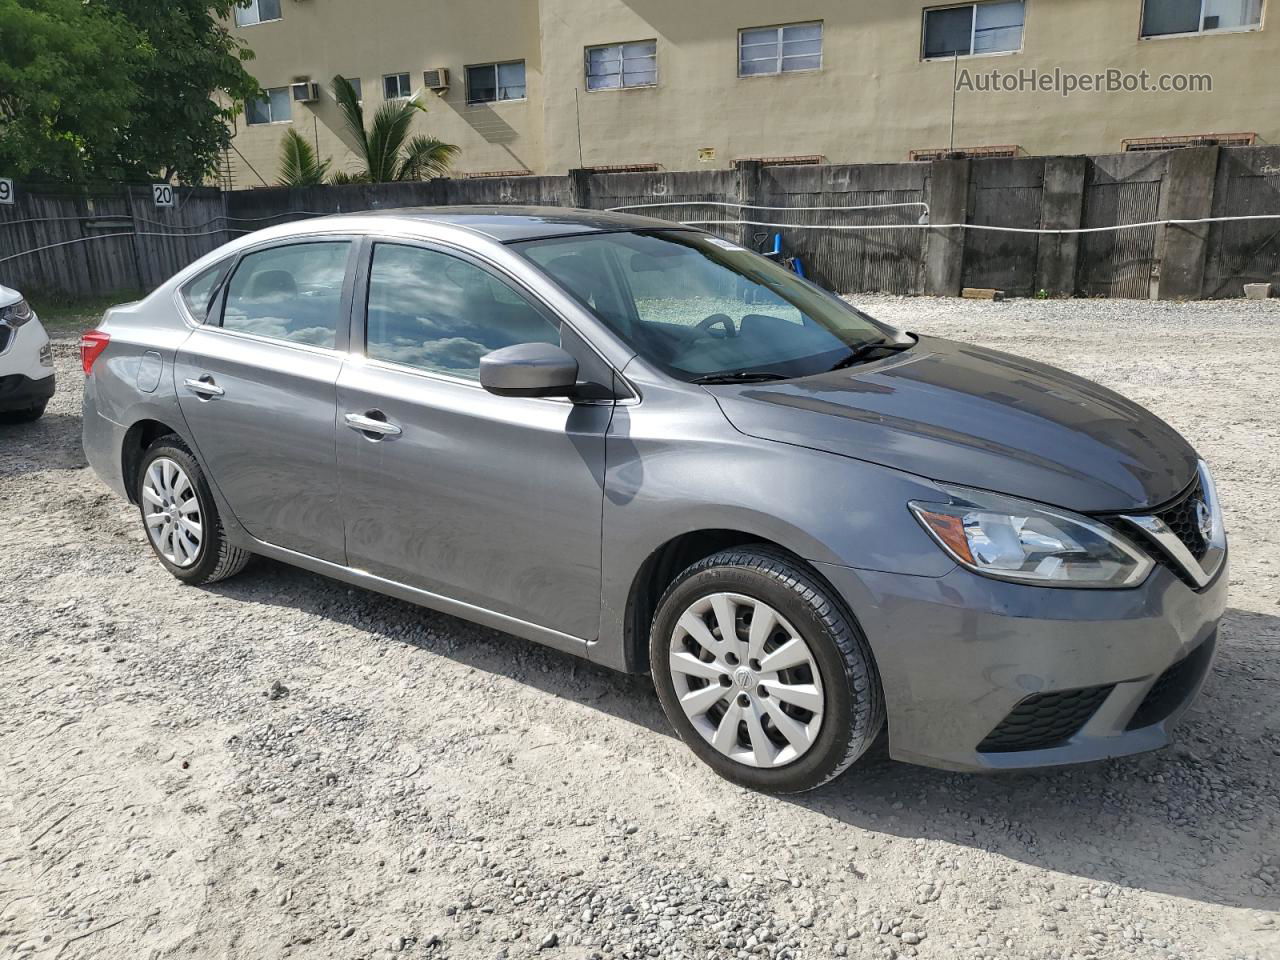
[864, 350]
[740, 376]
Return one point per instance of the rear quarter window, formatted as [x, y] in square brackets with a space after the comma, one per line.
[199, 291]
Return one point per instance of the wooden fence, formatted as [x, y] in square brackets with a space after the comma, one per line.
[118, 240]
[98, 242]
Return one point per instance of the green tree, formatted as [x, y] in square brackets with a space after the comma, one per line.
[386, 150]
[68, 86]
[299, 164]
[191, 86]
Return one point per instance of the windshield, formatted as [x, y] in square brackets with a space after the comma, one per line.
[698, 306]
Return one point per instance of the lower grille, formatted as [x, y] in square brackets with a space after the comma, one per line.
[1172, 687]
[5, 332]
[1045, 720]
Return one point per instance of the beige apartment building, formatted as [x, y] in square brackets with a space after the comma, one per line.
[544, 86]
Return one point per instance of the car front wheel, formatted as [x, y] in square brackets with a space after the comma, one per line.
[763, 673]
[180, 517]
[28, 415]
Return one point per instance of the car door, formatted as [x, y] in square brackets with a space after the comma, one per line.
[492, 501]
[257, 384]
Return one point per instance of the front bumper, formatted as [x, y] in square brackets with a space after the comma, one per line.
[20, 392]
[966, 663]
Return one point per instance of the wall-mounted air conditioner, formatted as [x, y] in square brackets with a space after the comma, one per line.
[304, 91]
[436, 79]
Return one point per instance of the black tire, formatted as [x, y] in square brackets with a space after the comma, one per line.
[216, 558]
[853, 716]
[29, 415]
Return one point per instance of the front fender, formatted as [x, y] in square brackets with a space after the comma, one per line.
[662, 483]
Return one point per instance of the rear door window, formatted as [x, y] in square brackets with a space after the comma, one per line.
[291, 293]
[440, 313]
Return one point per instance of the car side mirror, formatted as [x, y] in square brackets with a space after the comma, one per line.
[529, 370]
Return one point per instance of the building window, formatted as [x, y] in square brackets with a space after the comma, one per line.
[1160, 18]
[395, 86]
[765, 50]
[488, 82]
[275, 107]
[622, 65]
[975, 28]
[258, 11]
[359, 90]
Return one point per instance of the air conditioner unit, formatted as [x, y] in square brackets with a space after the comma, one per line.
[437, 79]
[306, 92]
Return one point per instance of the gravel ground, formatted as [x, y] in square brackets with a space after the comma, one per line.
[282, 766]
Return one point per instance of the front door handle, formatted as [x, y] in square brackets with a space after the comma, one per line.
[204, 387]
[375, 421]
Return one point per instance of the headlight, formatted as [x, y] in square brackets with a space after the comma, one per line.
[1016, 540]
[16, 314]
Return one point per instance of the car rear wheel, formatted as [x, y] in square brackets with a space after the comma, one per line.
[180, 517]
[762, 671]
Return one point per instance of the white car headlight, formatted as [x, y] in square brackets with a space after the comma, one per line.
[1028, 543]
[16, 314]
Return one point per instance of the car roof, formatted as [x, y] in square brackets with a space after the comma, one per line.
[507, 224]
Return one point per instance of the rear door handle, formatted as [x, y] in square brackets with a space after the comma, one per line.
[371, 424]
[204, 387]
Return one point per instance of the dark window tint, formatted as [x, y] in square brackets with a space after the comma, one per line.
[291, 293]
[275, 107]
[948, 32]
[198, 292]
[395, 86]
[1163, 17]
[439, 313]
[490, 82]
[1170, 16]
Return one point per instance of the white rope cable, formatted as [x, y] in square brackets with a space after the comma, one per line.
[273, 216]
[161, 223]
[755, 206]
[65, 243]
[978, 226]
[108, 236]
[723, 223]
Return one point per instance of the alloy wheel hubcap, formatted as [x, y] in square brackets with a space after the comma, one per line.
[172, 512]
[746, 680]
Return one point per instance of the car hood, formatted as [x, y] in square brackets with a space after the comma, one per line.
[8, 295]
[965, 415]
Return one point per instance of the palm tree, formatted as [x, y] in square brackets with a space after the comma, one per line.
[299, 165]
[386, 149]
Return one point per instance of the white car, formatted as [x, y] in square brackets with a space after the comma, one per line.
[26, 360]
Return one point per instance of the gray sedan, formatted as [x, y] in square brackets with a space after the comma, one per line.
[644, 445]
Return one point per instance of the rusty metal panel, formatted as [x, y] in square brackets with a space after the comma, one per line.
[849, 261]
[1248, 184]
[684, 190]
[527, 191]
[1004, 193]
[1122, 188]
